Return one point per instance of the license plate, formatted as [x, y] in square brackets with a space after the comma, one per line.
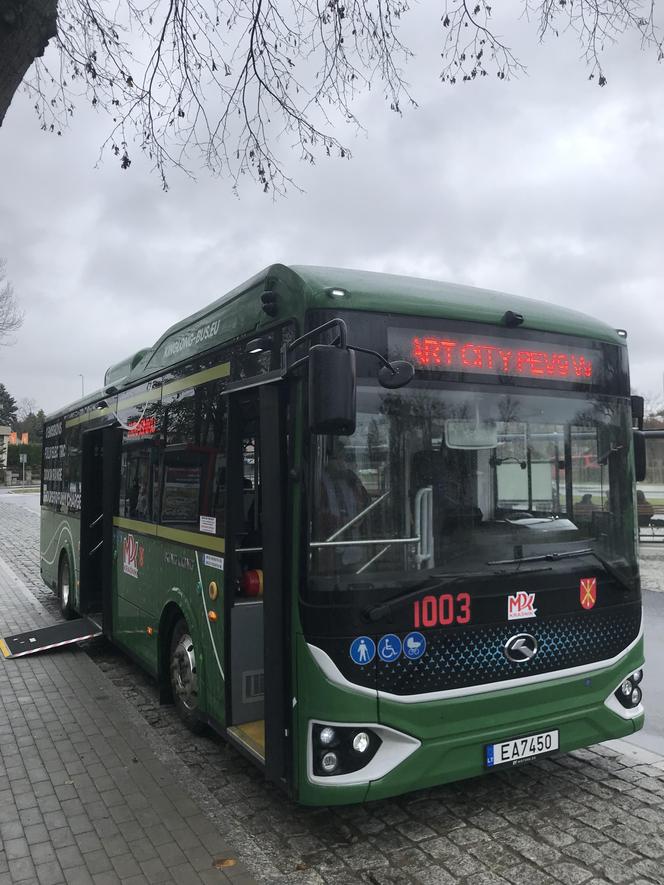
[520, 749]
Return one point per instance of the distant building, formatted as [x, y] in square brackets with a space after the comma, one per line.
[14, 439]
[5, 433]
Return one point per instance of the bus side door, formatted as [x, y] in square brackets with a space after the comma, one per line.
[257, 619]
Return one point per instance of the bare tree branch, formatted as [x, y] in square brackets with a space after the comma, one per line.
[11, 317]
[233, 85]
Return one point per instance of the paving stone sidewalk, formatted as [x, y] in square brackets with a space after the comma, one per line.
[82, 797]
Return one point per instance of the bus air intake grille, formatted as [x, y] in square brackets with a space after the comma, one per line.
[475, 656]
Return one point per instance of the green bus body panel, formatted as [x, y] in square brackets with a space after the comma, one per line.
[389, 293]
[318, 698]
[59, 532]
[167, 575]
[301, 288]
[454, 732]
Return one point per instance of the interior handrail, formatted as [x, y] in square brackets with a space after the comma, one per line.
[359, 516]
[364, 543]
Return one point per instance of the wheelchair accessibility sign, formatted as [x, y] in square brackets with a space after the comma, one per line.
[362, 650]
[389, 648]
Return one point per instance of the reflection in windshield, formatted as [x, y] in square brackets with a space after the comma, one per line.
[451, 480]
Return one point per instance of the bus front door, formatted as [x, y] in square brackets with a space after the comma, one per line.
[99, 481]
[256, 643]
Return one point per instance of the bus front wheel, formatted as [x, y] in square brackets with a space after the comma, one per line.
[65, 588]
[184, 677]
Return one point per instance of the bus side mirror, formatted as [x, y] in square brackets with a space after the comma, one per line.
[638, 410]
[332, 390]
[639, 456]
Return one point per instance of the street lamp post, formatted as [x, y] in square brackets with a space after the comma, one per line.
[82, 384]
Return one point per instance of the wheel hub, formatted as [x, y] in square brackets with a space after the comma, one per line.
[64, 588]
[183, 672]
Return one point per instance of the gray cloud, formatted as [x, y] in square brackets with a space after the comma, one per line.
[547, 187]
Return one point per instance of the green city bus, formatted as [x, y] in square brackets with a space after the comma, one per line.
[379, 532]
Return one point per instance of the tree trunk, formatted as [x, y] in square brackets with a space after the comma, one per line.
[26, 26]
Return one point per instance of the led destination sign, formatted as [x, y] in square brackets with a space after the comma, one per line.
[494, 356]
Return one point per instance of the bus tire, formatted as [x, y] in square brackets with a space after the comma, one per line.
[65, 588]
[184, 677]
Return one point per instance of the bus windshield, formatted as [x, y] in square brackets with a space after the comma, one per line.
[461, 480]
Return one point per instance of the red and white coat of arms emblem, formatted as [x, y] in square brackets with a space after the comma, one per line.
[588, 592]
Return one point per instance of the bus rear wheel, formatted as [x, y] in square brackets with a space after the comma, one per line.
[184, 677]
[65, 588]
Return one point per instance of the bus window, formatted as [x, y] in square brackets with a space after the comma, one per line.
[136, 485]
[194, 461]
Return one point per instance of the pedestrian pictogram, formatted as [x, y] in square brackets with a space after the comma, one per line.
[362, 650]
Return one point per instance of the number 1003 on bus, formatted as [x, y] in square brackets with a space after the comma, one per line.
[440, 611]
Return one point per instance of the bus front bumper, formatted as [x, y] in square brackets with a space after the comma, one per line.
[438, 742]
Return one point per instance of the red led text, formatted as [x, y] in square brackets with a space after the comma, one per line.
[431, 352]
[440, 611]
[144, 427]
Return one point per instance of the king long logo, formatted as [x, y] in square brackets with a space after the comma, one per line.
[132, 556]
[588, 592]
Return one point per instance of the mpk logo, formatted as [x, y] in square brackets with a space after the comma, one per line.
[521, 605]
[132, 556]
[588, 592]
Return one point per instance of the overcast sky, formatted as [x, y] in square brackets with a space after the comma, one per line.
[546, 186]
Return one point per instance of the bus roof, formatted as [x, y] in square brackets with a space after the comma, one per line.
[303, 287]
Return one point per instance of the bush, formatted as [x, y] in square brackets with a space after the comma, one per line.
[33, 451]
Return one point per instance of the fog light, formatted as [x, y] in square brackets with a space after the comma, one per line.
[636, 697]
[626, 688]
[361, 742]
[327, 735]
[637, 677]
[329, 762]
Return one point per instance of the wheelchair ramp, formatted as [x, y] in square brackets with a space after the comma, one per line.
[53, 636]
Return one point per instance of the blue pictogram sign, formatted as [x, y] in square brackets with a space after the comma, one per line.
[414, 646]
[389, 648]
[362, 650]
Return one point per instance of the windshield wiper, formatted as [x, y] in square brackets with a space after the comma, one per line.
[376, 612]
[544, 557]
[609, 568]
[569, 554]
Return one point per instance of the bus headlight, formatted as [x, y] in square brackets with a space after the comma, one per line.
[628, 694]
[361, 742]
[329, 763]
[341, 749]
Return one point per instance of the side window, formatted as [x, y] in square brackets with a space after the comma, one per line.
[194, 466]
[138, 483]
[140, 412]
[72, 468]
